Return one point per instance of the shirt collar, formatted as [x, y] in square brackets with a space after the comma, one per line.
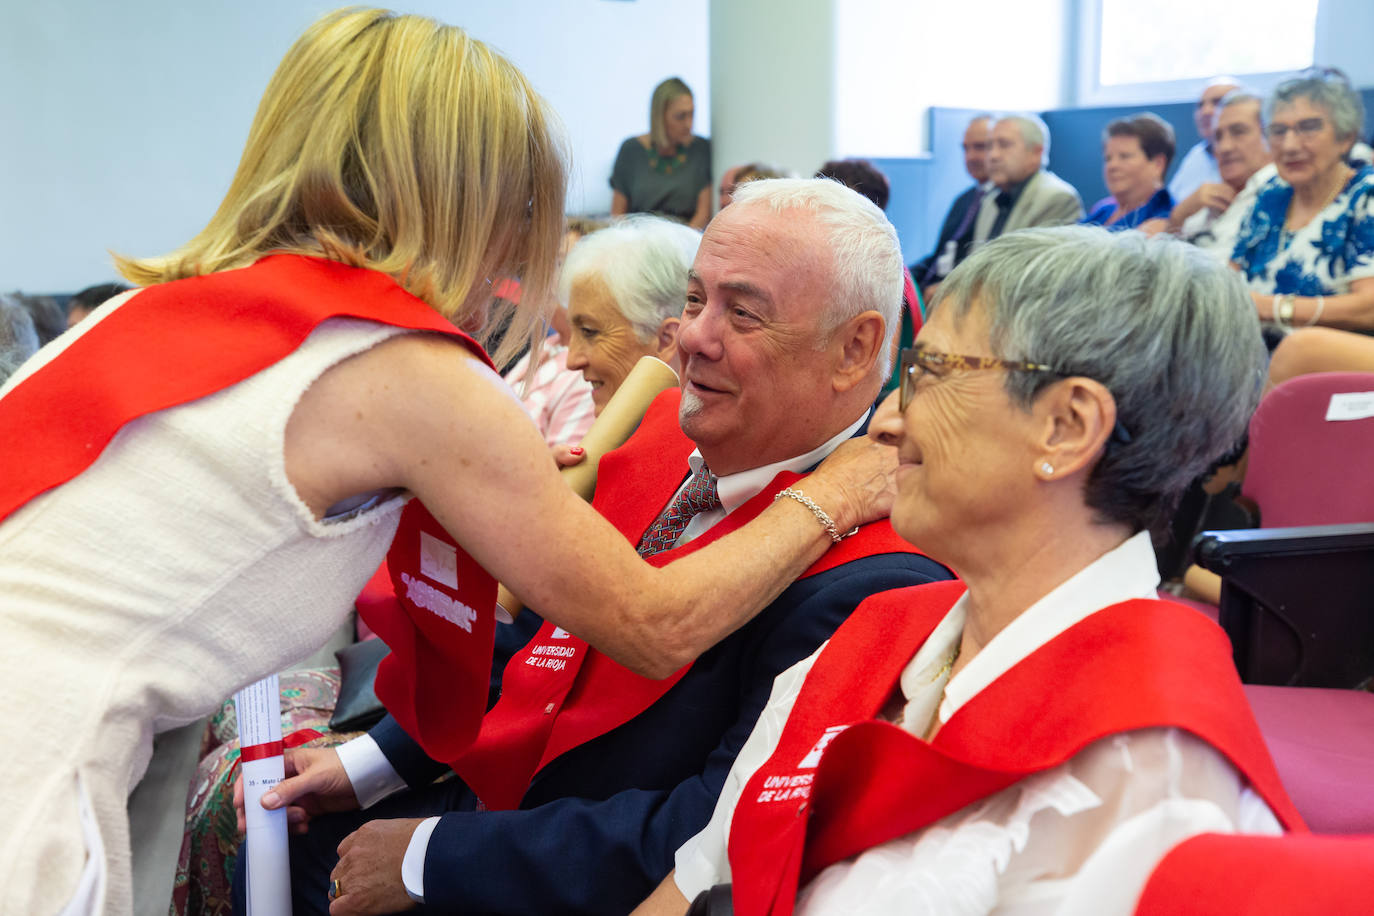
[1012, 194]
[1127, 571]
[737, 489]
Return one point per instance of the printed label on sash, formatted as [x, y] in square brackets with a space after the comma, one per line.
[424, 595]
[555, 658]
[438, 561]
[559, 633]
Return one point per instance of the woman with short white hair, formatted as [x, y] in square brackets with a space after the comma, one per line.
[625, 287]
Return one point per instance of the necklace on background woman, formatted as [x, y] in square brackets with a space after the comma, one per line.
[666, 164]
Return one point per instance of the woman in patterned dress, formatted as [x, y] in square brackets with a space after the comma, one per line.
[1307, 248]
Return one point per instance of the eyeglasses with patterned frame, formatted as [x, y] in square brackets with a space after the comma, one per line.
[935, 361]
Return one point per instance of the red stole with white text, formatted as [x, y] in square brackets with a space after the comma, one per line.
[175, 342]
[559, 693]
[841, 781]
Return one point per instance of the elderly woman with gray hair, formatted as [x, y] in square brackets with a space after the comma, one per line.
[1307, 248]
[625, 287]
[1037, 736]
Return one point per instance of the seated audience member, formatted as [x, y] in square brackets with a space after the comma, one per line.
[1027, 194]
[91, 298]
[1199, 165]
[49, 320]
[590, 777]
[866, 178]
[18, 338]
[1211, 216]
[1135, 155]
[667, 170]
[859, 175]
[1307, 249]
[956, 232]
[755, 171]
[1046, 729]
[625, 287]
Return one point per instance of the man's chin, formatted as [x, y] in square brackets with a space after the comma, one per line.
[689, 406]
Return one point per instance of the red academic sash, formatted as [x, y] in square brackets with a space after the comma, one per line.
[179, 341]
[559, 693]
[841, 782]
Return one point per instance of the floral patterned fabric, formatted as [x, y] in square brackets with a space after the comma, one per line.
[209, 848]
[1320, 259]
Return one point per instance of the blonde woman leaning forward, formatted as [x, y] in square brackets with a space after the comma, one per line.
[254, 419]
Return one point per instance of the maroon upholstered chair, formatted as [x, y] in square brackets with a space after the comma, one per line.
[1322, 741]
[1305, 469]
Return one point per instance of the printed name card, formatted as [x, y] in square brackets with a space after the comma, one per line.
[1355, 405]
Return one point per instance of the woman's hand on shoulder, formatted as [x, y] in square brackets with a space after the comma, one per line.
[856, 484]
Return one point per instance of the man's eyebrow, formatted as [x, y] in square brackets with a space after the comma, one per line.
[742, 287]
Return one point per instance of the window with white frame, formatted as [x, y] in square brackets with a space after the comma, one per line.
[1167, 40]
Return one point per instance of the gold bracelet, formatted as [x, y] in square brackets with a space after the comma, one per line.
[826, 521]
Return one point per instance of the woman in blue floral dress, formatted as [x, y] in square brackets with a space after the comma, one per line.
[1307, 248]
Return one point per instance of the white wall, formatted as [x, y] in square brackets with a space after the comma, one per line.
[772, 64]
[123, 122]
[895, 59]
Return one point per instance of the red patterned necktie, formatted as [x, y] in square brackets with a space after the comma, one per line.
[698, 496]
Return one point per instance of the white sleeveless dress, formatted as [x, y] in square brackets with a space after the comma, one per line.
[177, 568]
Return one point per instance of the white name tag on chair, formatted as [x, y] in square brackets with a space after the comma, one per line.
[1355, 405]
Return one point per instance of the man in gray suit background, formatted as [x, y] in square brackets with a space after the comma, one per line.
[1027, 194]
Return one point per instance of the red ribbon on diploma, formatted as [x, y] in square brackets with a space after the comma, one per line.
[262, 751]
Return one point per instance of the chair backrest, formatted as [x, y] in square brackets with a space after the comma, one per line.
[1306, 469]
[1299, 874]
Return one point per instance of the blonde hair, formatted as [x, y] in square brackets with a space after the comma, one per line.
[401, 145]
[664, 92]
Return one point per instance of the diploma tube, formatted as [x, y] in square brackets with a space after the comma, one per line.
[649, 378]
[258, 709]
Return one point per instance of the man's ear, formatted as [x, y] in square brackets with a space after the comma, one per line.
[665, 342]
[1077, 415]
[857, 345]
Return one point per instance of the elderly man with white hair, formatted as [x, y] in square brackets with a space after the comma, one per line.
[1027, 193]
[586, 777]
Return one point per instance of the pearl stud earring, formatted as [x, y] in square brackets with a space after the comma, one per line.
[1047, 468]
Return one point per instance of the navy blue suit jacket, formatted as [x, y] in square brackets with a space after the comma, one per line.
[953, 218]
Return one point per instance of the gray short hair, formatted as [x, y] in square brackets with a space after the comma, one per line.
[18, 337]
[1240, 97]
[865, 254]
[643, 260]
[1170, 332]
[1034, 131]
[1329, 89]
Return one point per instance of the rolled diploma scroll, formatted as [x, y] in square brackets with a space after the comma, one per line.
[258, 708]
[649, 378]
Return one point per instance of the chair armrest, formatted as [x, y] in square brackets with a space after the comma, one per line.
[1297, 603]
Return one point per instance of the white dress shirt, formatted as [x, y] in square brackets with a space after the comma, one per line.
[1080, 838]
[372, 775]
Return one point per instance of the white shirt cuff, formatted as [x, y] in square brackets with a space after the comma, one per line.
[413, 865]
[372, 775]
